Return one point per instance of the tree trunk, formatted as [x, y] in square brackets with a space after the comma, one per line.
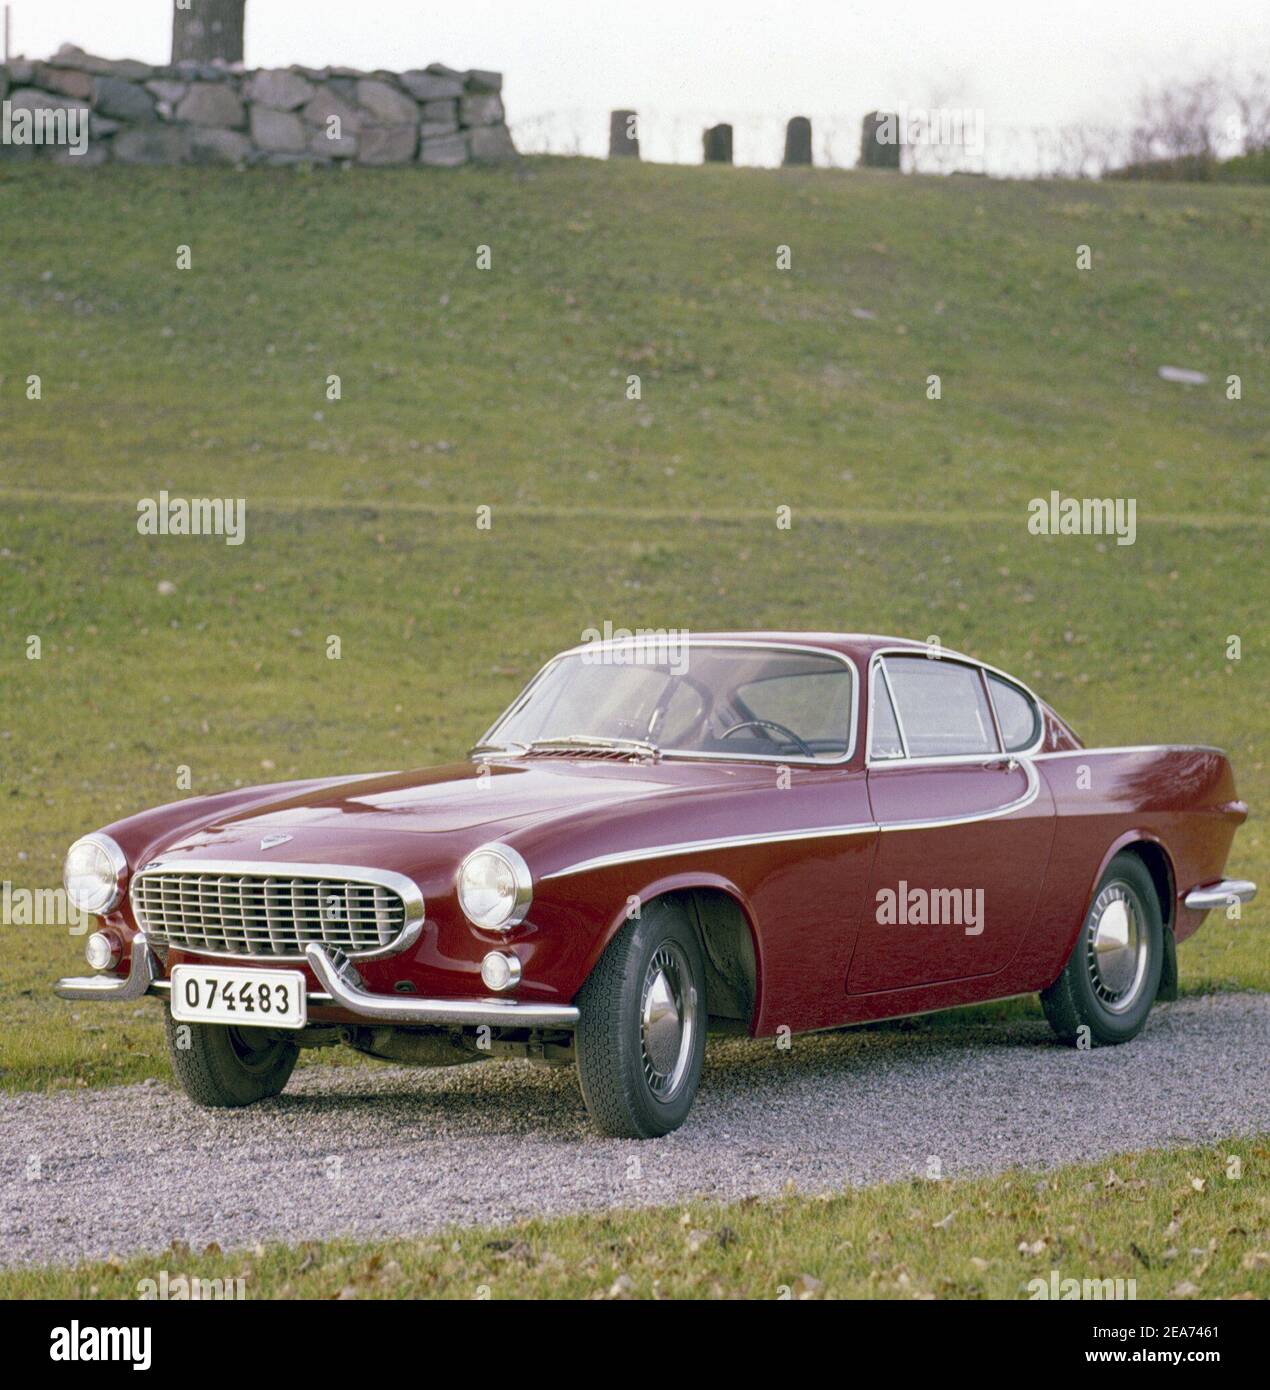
[208, 29]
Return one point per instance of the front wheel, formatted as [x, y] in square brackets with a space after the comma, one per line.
[220, 1066]
[1111, 979]
[641, 1037]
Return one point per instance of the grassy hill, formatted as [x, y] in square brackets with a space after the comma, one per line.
[507, 387]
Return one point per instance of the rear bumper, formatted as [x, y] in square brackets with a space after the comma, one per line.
[1215, 895]
[343, 989]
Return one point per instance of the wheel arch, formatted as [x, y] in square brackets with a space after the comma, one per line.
[730, 942]
[1158, 862]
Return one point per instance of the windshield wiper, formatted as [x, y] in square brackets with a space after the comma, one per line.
[636, 747]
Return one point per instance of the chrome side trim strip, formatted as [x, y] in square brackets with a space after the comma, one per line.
[348, 994]
[1221, 894]
[405, 888]
[632, 856]
[825, 832]
[1134, 748]
[109, 987]
[1028, 797]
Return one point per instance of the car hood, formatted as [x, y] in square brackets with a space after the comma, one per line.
[444, 810]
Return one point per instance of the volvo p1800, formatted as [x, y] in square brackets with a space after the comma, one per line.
[759, 832]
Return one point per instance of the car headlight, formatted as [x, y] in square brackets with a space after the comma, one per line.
[94, 874]
[495, 887]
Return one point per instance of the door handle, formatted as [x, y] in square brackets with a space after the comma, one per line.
[1009, 764]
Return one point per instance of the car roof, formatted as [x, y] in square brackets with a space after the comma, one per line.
[852, 643]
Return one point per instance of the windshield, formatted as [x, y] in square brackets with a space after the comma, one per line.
[738, 702]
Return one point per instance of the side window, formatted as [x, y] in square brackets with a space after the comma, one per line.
[942, 706]
[1019, 718]
[884, 735]
[815, 705]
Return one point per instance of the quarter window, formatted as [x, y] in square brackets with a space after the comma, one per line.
[1018, 716]
[942, 706]
[884, 737]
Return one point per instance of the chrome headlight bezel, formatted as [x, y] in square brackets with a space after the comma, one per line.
[513, 906]
[113, 865]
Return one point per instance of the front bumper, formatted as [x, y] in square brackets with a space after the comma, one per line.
[1216, 895]
[343, 990]
[141, 977]
[346, 991]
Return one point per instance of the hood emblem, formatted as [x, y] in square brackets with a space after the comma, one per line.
[270, 840]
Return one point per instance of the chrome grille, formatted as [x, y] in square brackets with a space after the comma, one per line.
[260, 913]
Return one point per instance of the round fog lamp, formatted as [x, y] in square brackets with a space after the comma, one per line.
[101, 950]
[500, 972]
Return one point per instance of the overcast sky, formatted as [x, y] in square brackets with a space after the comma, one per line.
[1024, 62]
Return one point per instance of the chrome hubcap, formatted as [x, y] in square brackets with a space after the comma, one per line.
[668, 1021]
[1116, 947]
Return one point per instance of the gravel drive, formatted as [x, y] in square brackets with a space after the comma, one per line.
[377, 1150]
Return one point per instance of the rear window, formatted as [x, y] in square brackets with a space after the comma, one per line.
[1017, 714]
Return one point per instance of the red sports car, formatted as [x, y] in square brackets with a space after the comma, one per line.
[664, 835]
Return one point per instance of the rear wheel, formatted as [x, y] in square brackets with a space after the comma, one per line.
[1110, 982]
[220, 1066]
[641, 1036]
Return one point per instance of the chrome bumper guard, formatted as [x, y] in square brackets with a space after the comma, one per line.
[346, 992]
[1216, 895]
[138, 983]
[343, 990]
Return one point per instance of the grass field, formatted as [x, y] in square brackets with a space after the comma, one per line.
[1182, 1224]
[507, 388]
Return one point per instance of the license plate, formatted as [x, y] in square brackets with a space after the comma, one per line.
[246, 998]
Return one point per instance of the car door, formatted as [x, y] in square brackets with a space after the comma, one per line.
[965, 827]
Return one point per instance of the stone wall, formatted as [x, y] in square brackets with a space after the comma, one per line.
[198, 113]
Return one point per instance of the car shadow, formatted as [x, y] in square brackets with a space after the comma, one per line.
[501, 1098]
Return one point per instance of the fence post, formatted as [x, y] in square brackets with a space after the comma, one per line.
[623, 135]
[716, 144]
[798, 141]
[879, 141]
